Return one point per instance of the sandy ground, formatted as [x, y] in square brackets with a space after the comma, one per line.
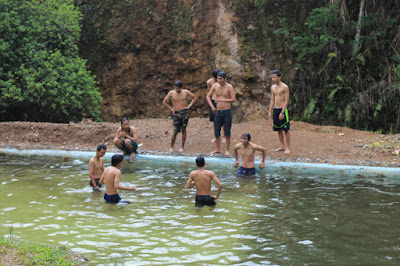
[309, 143]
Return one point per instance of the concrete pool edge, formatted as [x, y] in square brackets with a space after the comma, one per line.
[271, 166]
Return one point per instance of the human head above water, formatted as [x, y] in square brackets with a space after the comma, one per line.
[215, 73]
[178, 84]
[200, 161]
[116, 159]
[277, 73]
[101, 147]
[222, 74]
[246, 136]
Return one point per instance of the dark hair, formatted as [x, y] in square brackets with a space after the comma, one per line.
[178, 83]
[221, 74]
[101, 147]
[124, 119]
[246, 135]
[277, 72]
[215, 73]
[116, 159]
[200, 161]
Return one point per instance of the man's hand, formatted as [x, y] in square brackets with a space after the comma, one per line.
[236, 163]
[262, 165]
[213, 109]
[281, 116]
[132, 188]
[269, 115]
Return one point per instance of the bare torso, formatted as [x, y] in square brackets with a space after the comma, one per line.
[202, 179]
[110, 173]
[179, 100]
[96, 166]
[210, 83]
[222, 92]
[247, 154]
[279, 92]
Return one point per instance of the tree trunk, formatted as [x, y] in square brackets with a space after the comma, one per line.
[358, 28]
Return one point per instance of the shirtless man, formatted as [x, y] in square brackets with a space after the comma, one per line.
[126, 139]
[111, 178]
[96, 167]
[211, 82]
[247, 150]
[224, 97]
[279, 103]
[180, 111]
[201, 178]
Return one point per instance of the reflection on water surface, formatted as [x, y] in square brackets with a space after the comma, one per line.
[269, 219]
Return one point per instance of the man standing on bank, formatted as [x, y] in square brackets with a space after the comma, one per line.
[224, 97]
[279, 104]
[210, 83]
[180, 111]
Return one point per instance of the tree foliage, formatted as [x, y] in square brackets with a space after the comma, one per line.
[42, 78]
[337, 84]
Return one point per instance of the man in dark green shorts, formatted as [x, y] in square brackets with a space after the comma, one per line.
[180, 112]
[279, 104]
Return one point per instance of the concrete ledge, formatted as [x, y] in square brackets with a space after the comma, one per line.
[325, 170]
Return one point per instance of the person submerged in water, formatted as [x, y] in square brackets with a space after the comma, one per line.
[201, 178]
[247, 150]
[111, 178]
[96, 167]
[126, 139]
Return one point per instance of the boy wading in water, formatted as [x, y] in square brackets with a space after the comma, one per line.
[247, 150]
[201, 178]
[96, 167]
[279, 104]
[180, 111]
[126, 139]
[111, 178]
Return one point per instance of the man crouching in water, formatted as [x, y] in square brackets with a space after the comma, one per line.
[248, 149]
[201, 178]
[111, 178]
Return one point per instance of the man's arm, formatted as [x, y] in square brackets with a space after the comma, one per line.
[118, 134]
[101, 181]
[116, 183]
[272, 103]
[190, 182]
[237, 147]
[194, 98]
[232, 95]
[91, 170]
[264, 154]
[209, 95]
[133, 135]
[219, 184]
[165, 102]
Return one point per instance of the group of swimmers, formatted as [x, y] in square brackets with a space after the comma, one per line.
[220, 97]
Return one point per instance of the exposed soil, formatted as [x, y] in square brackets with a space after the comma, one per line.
[309, 143]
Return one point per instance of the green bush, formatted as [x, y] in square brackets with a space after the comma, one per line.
[42, 78]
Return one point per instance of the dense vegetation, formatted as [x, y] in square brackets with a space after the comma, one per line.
[346, 56]
[42, 78]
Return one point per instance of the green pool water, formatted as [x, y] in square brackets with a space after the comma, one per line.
[271, 219]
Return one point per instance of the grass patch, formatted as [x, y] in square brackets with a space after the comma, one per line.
[17, 252]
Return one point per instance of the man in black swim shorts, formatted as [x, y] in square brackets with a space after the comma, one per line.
[180, 112]
[247, 150]
[201, 178]
[279, 104]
